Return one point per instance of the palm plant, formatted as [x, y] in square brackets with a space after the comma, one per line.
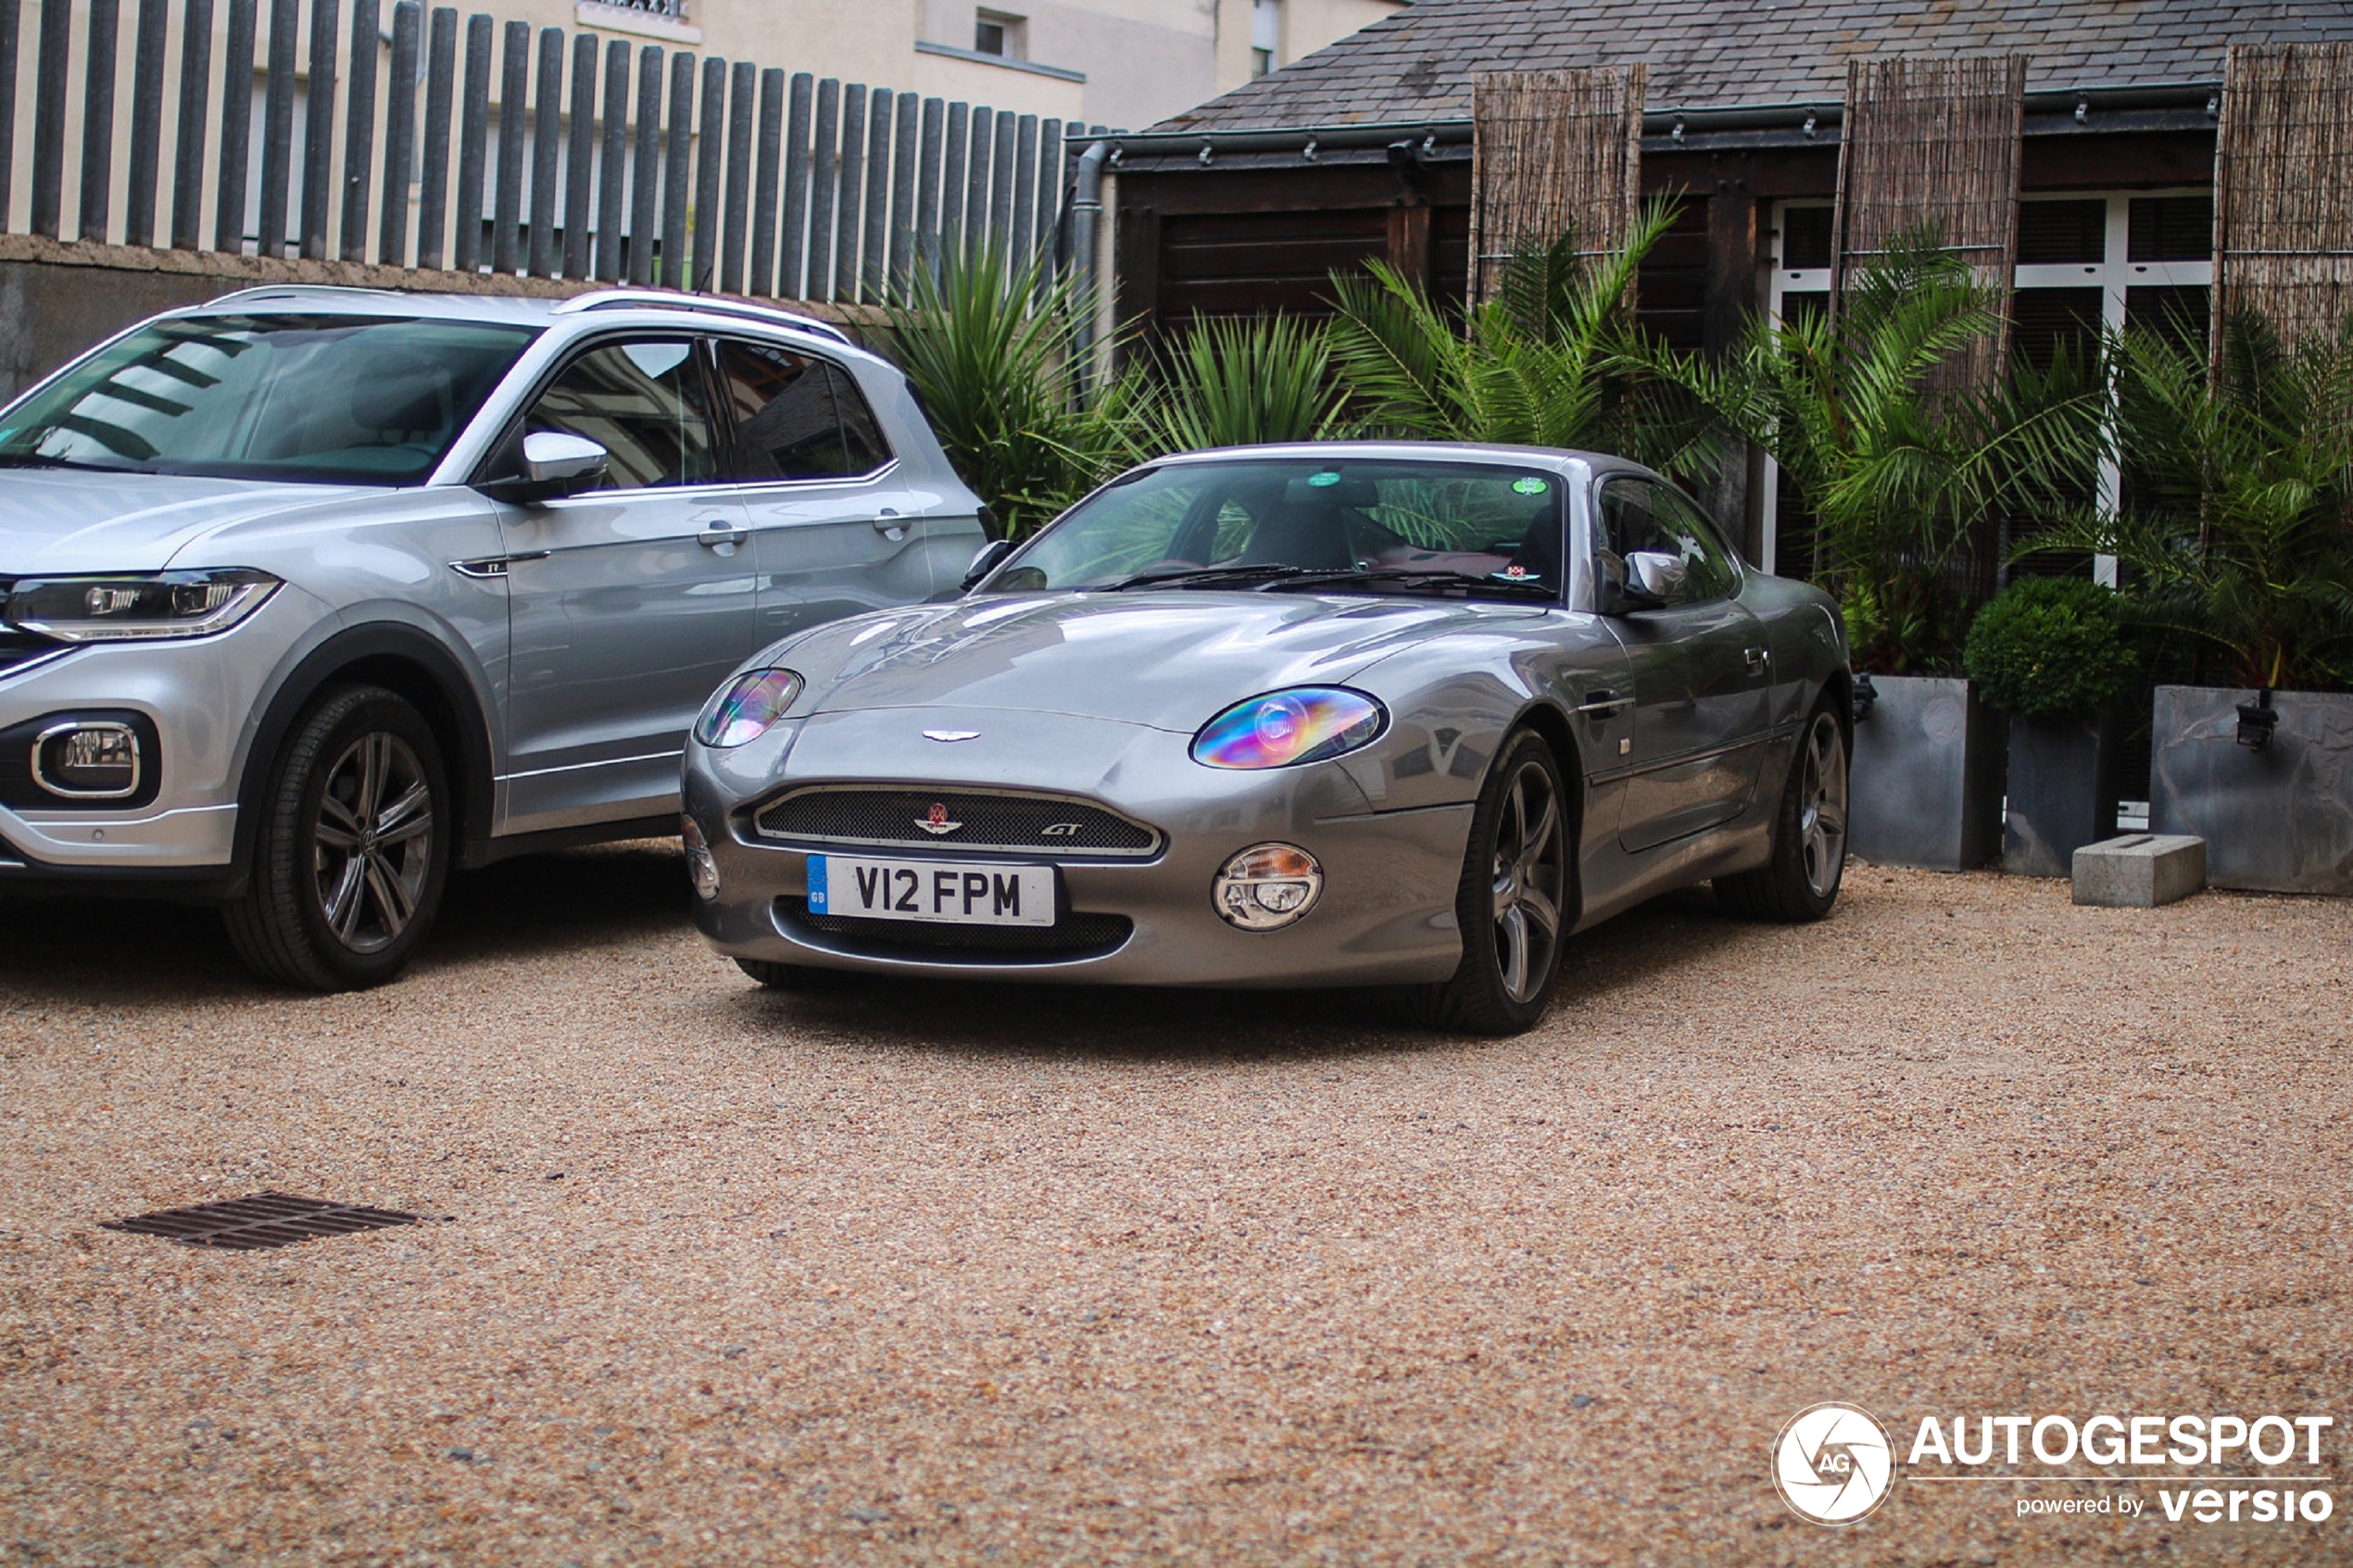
[1531, 366]
[1902, 462]
[1233, 382]
[993, 352]
[2236, 528]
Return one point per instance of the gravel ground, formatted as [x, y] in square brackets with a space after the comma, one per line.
[1043, 1277]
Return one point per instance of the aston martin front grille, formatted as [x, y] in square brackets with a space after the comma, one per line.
[1072, 936]
[1029, 824]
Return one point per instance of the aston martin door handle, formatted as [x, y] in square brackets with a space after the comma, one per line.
[1757, 659]
[1603, 701]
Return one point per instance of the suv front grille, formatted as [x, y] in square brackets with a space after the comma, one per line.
[23, 648]
[1032, 824]
[1072, 936]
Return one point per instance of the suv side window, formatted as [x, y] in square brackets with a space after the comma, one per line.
[645, 402]
[1639, 514]
[796, 416]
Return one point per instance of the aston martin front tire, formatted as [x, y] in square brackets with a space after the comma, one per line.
[795, 977]
[1514, 900]
[1801, 882]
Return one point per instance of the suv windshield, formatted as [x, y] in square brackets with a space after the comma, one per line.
[348, 399]
[1347, 524]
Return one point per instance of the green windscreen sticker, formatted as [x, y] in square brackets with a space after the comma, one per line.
[1321, 479]
[1529, 486]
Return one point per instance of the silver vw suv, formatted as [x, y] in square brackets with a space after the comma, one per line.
[308, 595]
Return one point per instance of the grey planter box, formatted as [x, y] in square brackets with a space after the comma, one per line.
[1927, 786]
[2275, 821]
[2062, 793]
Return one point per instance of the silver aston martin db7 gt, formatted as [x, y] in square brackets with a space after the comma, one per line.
[1339, 714]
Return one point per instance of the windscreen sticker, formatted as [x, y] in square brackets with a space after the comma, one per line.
[1529, 486]
[1320, 480]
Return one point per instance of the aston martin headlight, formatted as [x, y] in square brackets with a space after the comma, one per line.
[144, 607]
[744, 706]
[1303, 724]
[1268, 886]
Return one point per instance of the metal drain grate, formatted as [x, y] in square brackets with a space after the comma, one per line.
[266, 1219]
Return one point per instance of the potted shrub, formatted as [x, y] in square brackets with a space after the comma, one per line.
[1906, 450]
[2236, 539]
[2050, 653]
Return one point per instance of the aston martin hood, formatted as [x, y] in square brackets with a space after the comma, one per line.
[88, 520]
[1170, 660]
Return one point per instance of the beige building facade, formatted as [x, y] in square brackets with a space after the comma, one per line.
[1120, 63]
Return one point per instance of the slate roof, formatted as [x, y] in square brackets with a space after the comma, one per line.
[1719, 54]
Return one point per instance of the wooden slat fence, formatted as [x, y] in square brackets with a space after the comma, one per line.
[1554, 152]
[380, 131]
[2284, 187]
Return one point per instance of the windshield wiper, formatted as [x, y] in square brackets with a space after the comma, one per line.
[1198, 576]
[35, 460]
[1412, 577]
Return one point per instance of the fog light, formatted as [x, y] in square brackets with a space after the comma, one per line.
[88, 761]
[699, 865]
[1268, 886]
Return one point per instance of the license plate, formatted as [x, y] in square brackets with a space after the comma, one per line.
[952, 893]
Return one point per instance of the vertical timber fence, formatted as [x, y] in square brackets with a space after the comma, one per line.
[414, 138]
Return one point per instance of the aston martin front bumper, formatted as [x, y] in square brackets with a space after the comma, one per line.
[1141, 917]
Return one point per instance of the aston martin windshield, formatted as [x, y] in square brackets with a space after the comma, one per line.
[348, 399]
[1348, 525]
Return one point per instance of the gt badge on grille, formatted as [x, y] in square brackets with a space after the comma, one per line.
[936, 820]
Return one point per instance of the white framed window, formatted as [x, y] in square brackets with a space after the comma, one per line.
[999, 34]
[1265, 36]
[2090, 261]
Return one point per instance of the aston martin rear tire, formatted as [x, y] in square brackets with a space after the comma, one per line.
[1801, 882]
[1514, 902]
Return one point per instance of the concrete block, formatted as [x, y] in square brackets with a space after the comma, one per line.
[2139, 871]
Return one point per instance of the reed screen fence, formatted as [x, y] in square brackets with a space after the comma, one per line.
[1554, 152]
[2284, 188]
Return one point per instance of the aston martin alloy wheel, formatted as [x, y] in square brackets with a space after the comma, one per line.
[1821, 822]
[1801, 882]
[1515, 904]
[353, 848]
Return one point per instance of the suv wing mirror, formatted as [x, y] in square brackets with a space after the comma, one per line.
[557, 458]
[550, 463]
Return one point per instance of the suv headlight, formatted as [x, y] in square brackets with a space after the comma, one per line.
[140, 607]
[1303, 724]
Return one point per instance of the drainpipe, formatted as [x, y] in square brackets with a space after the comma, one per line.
[1085, 217]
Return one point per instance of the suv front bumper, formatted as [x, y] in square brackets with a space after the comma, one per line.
[203, 696]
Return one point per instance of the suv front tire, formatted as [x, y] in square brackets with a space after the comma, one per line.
[352, 850]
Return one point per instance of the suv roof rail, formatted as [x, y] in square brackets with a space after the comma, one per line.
[662, 299]
[263, 290]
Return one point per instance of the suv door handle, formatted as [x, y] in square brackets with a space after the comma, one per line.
[718, 533]
[891, 526]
